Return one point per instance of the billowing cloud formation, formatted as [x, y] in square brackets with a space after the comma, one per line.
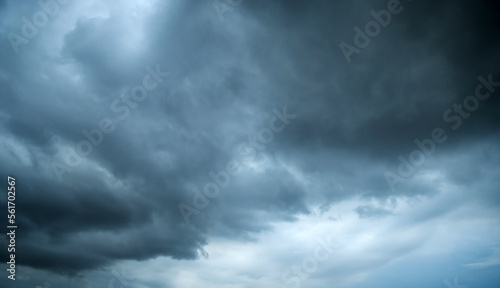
[159, 131]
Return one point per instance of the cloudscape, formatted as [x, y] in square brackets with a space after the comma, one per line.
[250, 143]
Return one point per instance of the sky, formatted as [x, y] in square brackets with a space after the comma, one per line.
[240, 144]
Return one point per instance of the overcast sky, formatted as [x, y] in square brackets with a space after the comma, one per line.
[251, 143]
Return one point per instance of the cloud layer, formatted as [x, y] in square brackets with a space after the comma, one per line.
[193, 99]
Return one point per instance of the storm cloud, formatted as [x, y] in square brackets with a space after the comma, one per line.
[217, 143]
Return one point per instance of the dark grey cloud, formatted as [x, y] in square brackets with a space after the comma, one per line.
[352, 121]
